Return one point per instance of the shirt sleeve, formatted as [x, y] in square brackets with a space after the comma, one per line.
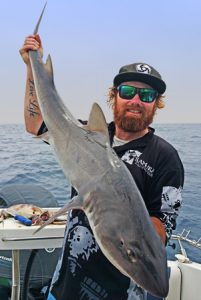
[166, 192]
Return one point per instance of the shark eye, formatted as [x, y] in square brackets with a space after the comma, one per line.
[131, 255]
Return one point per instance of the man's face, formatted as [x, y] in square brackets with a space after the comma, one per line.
[133, 115]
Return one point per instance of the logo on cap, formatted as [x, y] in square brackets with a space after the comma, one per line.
[141, 68]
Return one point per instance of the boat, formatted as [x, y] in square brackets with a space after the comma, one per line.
[185, 274]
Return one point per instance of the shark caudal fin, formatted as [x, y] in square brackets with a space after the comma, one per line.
[39, 20]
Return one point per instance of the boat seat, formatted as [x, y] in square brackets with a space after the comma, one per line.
[174, 281]
[13, 194]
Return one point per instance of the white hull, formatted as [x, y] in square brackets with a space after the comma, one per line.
[185, 275]
[185, 281]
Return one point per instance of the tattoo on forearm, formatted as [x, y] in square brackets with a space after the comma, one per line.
[31, 87]
[33, 107]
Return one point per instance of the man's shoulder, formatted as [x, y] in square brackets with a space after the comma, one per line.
[163, 144]
[166, 153]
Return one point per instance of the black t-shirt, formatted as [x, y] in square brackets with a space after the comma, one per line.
[83, 272]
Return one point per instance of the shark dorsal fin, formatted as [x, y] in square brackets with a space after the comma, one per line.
[48, 66]
[97, 121]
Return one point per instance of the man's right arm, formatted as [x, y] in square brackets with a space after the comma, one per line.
[32, 113]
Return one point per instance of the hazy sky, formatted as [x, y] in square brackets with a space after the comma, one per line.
[89, 40]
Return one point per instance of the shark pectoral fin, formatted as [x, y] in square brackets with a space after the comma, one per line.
[75, 203]
[45, 137]
[97, 121]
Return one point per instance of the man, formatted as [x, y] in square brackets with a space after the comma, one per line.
[83, 272]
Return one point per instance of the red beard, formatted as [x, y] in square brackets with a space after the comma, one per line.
[133, 123]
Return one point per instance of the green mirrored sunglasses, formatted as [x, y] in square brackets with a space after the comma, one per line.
[146, 95]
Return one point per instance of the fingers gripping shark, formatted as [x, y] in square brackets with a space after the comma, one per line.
[107, 192]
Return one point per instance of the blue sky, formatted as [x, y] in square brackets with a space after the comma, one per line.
[90, 40]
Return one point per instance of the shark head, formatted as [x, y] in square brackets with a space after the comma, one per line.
[138, 261]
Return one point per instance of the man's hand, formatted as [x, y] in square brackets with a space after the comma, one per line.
[32, 42]
[159, 228]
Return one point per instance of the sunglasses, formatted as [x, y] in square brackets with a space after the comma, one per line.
[146, 95]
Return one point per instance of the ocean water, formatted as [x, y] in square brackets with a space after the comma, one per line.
[24, 159]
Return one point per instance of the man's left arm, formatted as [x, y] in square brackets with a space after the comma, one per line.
[160, 228]
[166, 196]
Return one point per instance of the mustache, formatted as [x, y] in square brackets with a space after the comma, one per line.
[134, 107]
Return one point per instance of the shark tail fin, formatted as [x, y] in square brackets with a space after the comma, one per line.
[39, 20]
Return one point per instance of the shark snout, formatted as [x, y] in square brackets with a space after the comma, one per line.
[144, 270]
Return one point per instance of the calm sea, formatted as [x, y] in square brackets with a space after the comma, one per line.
[24, 159]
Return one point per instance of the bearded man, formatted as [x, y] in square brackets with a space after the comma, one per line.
[83, 272]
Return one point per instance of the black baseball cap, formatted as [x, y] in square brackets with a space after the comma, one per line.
[141, 72]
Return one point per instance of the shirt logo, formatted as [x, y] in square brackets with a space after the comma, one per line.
[133, 157]
[82, 243]
[141, 68]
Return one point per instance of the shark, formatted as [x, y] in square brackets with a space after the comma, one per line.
[107, 192]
